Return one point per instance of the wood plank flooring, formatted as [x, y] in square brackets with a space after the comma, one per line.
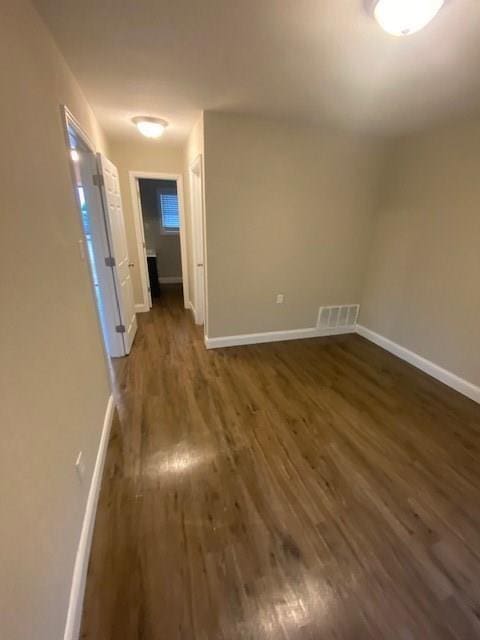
[317, 489]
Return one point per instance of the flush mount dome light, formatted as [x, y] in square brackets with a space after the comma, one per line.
[150, 127]
[403, 17]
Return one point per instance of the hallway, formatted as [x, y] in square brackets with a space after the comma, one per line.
[310, 489]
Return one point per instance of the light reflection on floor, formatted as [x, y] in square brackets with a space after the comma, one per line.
[181, 459]
[293, 609]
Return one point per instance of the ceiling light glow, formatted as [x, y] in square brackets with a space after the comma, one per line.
[74, 155]
[404, 17]
[150, 127]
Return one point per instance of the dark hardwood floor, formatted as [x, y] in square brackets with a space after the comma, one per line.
[317, 489]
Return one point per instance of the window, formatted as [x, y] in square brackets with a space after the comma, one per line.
[168, 203]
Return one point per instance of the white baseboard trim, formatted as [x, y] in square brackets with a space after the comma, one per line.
[273, 336]
[170, 280]
[77, 591]
[141, 308]
[439, 373]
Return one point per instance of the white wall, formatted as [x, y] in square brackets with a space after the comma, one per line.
[53, 375]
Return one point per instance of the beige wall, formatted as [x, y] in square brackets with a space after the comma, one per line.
[149, 156]
[422, 288]
[288, 210]
[53, 376]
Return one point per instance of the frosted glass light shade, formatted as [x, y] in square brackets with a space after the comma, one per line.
[150, 127]
[403, 17]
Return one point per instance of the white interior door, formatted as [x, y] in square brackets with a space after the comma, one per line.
[198, 240]
[118, 250]
[96, 248]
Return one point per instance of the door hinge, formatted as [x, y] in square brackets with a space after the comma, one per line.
[98, 180]
[110, 261]
[120, 328]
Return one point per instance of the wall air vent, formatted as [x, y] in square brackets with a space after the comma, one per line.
[338, 319]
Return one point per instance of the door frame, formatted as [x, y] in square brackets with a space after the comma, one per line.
[198, 225]
[134, 177]
[69, 120]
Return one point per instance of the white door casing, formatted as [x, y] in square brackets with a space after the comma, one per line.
[135, 176]
[118, 249]
[144, 246]
[196, 192]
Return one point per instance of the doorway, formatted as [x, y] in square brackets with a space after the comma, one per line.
[103, 245]
[157, 200]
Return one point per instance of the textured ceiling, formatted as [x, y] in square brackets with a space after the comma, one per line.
[322, 61]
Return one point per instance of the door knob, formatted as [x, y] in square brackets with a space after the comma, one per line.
[131, 264]
[200, 264]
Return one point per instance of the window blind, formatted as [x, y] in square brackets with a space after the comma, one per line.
[169, 209]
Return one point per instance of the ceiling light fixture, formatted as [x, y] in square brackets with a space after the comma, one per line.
[150, 127]
[74, 155]
[404, 17]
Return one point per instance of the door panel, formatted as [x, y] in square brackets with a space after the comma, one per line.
[119, 249]
[198, 243]
[96, 249]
